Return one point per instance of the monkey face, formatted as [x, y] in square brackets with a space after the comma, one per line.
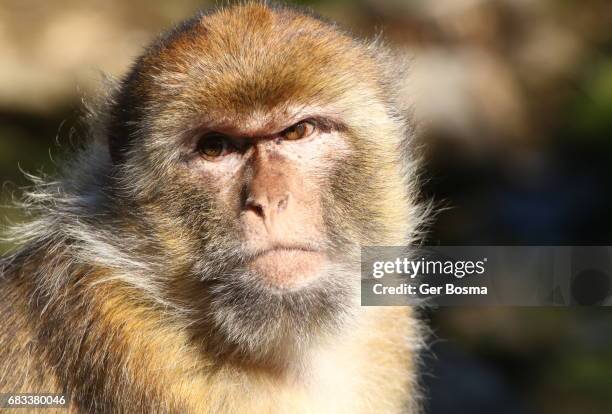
[263, 150]
[272, 176]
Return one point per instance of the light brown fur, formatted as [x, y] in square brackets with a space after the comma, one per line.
[149, 366]
[103, 298]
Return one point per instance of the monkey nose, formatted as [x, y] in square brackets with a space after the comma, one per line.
[265, 206]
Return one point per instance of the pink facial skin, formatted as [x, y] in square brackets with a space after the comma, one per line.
[276, 183]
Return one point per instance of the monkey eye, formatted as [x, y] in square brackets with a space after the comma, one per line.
[300, 130]
[214, 145]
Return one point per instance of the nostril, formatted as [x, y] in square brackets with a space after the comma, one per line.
[259, 210]
[255, 206]
[282, 203]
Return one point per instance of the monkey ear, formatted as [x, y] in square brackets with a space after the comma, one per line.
[397, 73]
[397, 67]
[96, 110]
[106, 116]
[120, 114]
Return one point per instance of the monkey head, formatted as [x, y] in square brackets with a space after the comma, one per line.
[260, 148]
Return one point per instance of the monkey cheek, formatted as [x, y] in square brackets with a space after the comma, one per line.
[289, 269]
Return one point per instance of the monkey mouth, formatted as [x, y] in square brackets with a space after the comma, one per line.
[284, 248]
[288, 266]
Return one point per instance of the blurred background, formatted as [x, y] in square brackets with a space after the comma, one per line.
[514, 99]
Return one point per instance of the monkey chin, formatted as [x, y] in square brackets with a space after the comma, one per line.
[288, 268]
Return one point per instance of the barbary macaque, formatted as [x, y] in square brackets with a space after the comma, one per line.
[201, 252]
